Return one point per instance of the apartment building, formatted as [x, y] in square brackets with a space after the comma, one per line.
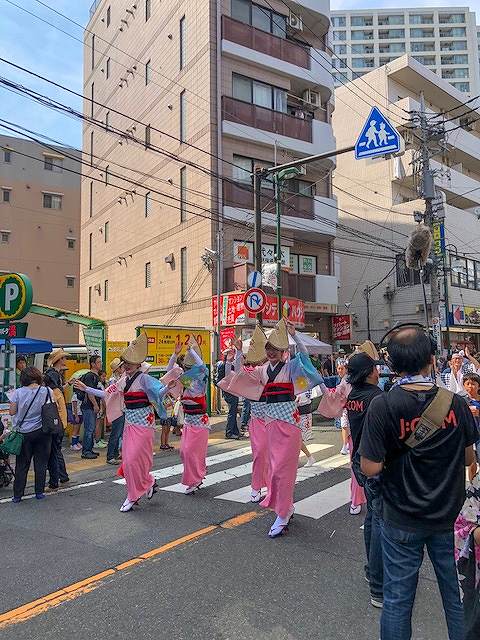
[385, 197]
[40, 228]
[189, 97]
[443, 39]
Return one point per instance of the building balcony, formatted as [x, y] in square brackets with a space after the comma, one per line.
[302, 214]
[306, 67]
[249, 122]
[318, 289]
[326, 289]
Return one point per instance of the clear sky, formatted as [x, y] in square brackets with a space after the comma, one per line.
[44, 49]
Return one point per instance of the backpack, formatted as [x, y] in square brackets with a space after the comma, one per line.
[81, 395]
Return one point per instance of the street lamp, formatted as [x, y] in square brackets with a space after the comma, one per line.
[278, 178]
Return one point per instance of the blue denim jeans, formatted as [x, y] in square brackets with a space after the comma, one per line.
[89, 424]
[373, 539]
[402, 559]
[245, 417]
[114, 439]
[232, 425]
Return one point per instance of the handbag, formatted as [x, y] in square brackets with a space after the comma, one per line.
[12, 445]
[51, 421]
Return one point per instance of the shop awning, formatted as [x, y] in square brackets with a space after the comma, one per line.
[29, 345]
[455, 329]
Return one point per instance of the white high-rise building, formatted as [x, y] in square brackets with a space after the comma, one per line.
[444, 39]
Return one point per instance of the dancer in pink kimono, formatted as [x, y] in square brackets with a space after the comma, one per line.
[196, 426]
[139, 393]
[278, 381]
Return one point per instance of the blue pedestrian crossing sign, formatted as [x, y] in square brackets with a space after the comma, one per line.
[378, 137]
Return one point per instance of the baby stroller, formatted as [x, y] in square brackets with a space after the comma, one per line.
[6, 472]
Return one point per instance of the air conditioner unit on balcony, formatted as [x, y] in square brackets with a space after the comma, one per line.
[295, 22]
[311, 97]
[303, 169]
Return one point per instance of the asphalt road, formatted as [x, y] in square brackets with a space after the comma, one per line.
[231, 582]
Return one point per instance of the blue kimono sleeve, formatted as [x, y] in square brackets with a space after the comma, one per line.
[155, 391]
[303, 374]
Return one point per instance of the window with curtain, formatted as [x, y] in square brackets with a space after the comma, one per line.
[262, 95]
[242, 88]
[241, 10]
[242, 169]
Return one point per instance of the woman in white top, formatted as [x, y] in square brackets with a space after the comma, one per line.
[26, 408]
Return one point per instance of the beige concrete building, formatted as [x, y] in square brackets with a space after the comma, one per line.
[202, 92]
[40, 228]
[385, 197]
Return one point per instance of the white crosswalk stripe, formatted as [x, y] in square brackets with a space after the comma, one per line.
[231, 473]
[314, 506]
[323, 502]
[177, 469]
[304, 473]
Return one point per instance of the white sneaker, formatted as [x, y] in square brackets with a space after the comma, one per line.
[193, 488]
[76, 447]
[310, 461]
[345, 450]
[355, 510]
[127, 506]
[255, 496]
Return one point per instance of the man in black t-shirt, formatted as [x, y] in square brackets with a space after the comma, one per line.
[90, 408]
[363, 376]
[423, 488]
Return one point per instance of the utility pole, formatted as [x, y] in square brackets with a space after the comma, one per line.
[432, 136]
[278, 212]
[257, 190]
[366, 293]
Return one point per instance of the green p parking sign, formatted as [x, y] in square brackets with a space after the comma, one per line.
[15, 296]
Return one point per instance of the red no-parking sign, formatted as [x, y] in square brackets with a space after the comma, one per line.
[255, 300]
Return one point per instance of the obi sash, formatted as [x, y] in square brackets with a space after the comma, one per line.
[305, 409]
[194, 406]
[136, 400]
[279, 392]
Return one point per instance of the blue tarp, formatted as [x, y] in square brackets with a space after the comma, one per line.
[29, 345]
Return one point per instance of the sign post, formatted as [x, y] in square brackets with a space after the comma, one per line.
[15, 301]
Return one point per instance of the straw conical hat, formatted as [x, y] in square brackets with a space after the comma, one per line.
[279, 336]
[137, 350]
[256, 350]
[115, 363]
[370, 349]
[188, 360]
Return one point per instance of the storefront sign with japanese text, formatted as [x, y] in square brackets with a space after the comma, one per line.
[342, 327]
[162, 341]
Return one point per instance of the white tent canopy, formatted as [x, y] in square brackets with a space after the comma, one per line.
[314, 347]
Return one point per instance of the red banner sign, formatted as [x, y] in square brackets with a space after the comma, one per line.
[227, 336]
[233, 311]
[293, 310]
[342, 327]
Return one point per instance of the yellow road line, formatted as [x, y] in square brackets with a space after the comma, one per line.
[77, 589]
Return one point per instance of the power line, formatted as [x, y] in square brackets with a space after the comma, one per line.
[113, 131]
[228, 222]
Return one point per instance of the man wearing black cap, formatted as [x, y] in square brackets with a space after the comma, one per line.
[363, 376]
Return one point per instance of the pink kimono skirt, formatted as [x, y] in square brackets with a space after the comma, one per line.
[284, 443]
[137, 459]
[357, 494]
[259, 442]
[193, 451]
